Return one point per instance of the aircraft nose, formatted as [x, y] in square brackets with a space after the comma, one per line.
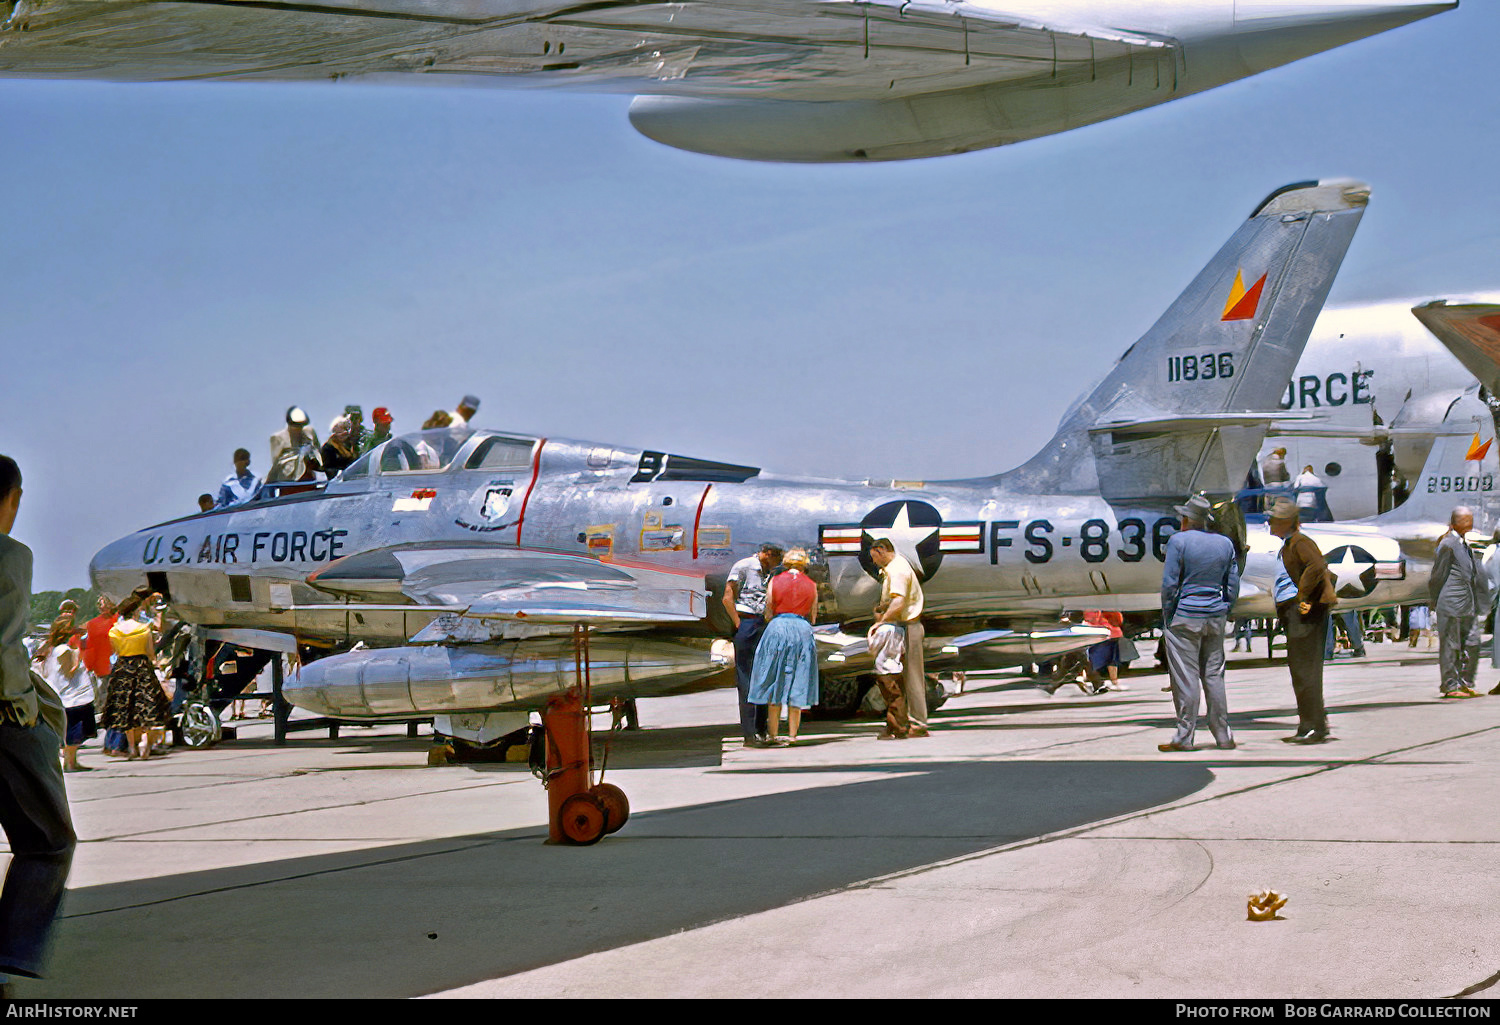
[1275, 32]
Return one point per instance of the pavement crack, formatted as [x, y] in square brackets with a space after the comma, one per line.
[1210, 856]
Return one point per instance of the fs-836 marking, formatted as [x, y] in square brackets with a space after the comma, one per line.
[1093, 539]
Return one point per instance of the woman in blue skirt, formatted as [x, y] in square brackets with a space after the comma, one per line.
[786, 662]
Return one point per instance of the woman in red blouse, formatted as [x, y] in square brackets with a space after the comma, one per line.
[786, 662]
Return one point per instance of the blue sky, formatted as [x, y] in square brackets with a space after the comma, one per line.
[181, 262]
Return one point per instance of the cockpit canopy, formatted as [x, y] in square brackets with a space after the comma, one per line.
[434, 450]
[422, 450]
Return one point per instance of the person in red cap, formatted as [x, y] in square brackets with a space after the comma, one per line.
[382, 431]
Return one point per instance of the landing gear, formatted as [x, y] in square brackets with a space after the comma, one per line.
[199, 725]
[838, 696]
[579, 811]
[936, 694]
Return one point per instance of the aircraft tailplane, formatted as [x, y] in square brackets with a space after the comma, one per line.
[1177, 412]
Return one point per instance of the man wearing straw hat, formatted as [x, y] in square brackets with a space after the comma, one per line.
[1303, 603]
[1200, 580]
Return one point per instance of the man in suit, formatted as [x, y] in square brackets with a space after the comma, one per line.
[1460, 592]
[33, 803]
[1303, 601]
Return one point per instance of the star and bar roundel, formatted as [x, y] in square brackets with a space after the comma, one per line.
[915, 528]
[1354, 570]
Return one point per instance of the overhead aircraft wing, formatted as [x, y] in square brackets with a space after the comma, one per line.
[491, 582]
[1471, 331]
[773, 49]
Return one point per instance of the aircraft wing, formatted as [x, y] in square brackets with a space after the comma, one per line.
[1471, 331]
[490, 582]
[774, 49]
[1021, 645]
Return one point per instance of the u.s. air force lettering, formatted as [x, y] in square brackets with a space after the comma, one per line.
[260, 546]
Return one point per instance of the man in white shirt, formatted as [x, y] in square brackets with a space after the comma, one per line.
[1307, 500]
[745, 600]
[901, 588]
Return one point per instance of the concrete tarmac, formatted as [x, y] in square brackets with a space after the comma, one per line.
[1033, 846]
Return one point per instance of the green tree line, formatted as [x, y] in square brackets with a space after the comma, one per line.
[44, 605]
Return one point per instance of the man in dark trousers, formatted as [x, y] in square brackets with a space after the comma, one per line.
[1460, 592]
[33, 803]
[1200, 581]
[1304, 619]
[745, 601]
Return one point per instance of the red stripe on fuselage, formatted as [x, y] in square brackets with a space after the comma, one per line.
[699, 518]
[536, 466]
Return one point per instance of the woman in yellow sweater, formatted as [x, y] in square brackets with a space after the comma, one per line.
[136, 702]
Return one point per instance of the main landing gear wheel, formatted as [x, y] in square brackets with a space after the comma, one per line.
[936, 693]
[200, 727]
[583, 819]
[616, 804]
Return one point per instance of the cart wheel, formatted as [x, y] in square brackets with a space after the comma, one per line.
[615, 803]
[200, 727]
[583, 819]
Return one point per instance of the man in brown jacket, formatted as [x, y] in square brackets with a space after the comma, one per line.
[1304, 618]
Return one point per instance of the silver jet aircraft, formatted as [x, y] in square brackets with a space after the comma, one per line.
[459, 560]
[796, 80]
[1381, 378]
[1384, 560]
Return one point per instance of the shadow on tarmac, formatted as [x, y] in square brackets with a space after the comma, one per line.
[408, 919]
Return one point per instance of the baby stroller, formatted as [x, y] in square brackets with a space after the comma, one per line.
[195, 721]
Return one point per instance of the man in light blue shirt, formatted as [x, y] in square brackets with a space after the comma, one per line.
[241, 485]
[1200, 581]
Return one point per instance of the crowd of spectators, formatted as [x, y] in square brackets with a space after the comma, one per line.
[298, 458]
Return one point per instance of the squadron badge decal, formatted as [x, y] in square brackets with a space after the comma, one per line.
[915, 528]
[496, 503]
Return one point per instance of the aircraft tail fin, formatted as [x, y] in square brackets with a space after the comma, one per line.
[1462, 468]
[1185, 408]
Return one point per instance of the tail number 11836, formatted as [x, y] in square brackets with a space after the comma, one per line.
[1207, 367]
